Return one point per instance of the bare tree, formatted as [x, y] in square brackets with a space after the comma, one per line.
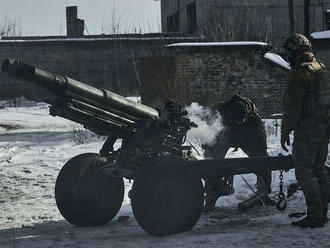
[291, 16]
[9, 27]
[244, 23]
[306, 17]
[239, 23]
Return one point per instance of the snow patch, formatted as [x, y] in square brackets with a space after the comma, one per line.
[278, 60]
[321, 35]
[218, 44]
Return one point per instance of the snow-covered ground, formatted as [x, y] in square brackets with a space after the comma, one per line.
[34, 146]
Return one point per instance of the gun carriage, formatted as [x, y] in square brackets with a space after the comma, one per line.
[167, 194]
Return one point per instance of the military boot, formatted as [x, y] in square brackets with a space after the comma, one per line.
[214, 188]
[210, 201]
[309, 222]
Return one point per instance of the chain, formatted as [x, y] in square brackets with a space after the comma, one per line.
[281, 204]
[281, 184]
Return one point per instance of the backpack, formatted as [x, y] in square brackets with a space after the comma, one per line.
[323, 89]
[323, 95]
[317, 99]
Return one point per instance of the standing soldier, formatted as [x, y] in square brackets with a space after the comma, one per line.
[243, 128]
[307, 116]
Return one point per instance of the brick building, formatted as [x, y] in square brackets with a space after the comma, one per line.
[211, 72]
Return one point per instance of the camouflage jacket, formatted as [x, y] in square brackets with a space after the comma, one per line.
[250, 136]
[300, 99]
[224, 110]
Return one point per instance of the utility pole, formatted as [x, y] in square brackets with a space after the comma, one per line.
[114, 24]
[178, 17]
[291, 17]
[306, 17]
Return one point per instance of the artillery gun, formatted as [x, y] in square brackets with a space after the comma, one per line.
[167, 194]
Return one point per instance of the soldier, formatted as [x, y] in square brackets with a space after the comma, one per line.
[243, 128]
[303, 114]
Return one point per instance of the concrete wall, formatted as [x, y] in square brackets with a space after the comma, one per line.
[227, 20]
[170, 7]
[326, 3]
[209, 78]
[74, 26]
[262, 20]
[109, 63]
[321, 48]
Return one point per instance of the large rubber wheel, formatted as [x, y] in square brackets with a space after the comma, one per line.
[167, 197]
[83, 195]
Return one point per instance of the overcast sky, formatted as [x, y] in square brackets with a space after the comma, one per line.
[47, 17]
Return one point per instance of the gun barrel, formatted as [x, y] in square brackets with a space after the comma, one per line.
[62, 86]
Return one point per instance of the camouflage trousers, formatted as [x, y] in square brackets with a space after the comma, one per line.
[312, 175]
[219, 186]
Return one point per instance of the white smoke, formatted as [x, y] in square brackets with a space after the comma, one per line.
[209, 124]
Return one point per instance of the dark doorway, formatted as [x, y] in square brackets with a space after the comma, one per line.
[191, 17]
[173, 22]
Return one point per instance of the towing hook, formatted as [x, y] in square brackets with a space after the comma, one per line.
[281, 205]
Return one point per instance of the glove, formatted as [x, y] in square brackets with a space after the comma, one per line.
[285, 138]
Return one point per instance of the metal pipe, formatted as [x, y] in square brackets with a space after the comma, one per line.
[90, 108]
[237, 166]
[94, 123]
[71, 95]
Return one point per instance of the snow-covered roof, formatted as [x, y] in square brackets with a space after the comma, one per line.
[321, 35]
[219, 44]
[278, 60]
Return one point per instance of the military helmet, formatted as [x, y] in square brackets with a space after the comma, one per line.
[297, 42]
[238, 110]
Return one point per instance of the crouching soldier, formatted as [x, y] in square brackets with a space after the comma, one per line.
[243, 128]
